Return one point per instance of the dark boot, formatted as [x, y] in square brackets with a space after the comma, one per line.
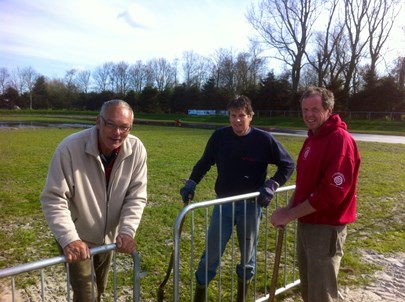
[242, 293]
[199, 295]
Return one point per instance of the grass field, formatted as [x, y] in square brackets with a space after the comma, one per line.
[172, 152]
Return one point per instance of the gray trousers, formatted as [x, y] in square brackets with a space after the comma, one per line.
[320, 249]
[80, 277]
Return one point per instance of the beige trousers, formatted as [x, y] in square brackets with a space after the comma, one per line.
[320, 250]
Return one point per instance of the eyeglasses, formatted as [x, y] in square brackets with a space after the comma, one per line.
[112, 126]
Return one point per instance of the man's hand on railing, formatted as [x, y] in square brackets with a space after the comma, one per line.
[125, 244]
[267, 192]
[76, 251]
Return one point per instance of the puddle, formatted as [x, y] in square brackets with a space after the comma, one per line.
[13, 125]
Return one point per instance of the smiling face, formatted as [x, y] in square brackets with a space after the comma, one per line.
[113, 128]
[240, 121]
[314, 114]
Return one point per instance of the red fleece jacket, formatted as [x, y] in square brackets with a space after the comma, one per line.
[327, 172]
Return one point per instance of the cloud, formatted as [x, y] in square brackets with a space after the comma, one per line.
[137, 17]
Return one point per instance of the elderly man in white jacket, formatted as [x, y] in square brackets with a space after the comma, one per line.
[95, 194]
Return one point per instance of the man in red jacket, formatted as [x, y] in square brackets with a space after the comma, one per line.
[324, 201]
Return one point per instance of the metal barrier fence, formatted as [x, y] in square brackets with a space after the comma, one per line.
[188, 244]
[184, 260]
[46, 263]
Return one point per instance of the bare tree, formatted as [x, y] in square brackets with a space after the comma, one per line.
[224, 70]
[4, 79]
[286, 26]
[380, 19]
[257, 63]
[203, 71]
[355, 23]
[190, 68]
[121, 77]
[339, 58]
[70, 86]
[195, 69]
[242, 72]
[101, 76]
[309, 77]
[23, 80]
[16, 80]
[83, 80]
[326, 43]
[29, 77]
[69, 80]
[137, 75]
[249, 68]
[163, 73]
[149, 75]
[175, 65]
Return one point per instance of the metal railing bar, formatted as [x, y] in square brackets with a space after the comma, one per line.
[11, 272]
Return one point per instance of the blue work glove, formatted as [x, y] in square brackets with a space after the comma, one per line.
[267, 192]
[187, 192]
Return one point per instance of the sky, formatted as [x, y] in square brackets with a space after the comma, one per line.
[56, 36]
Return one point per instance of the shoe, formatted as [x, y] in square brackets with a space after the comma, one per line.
[199, 295]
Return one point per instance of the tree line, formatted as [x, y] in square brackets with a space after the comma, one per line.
[338, 44]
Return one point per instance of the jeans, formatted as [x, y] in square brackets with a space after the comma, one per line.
[320, 249]
[246, 217]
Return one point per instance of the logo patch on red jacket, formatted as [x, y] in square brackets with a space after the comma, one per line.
[338, 179]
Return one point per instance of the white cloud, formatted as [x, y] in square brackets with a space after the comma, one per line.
[137, 16]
